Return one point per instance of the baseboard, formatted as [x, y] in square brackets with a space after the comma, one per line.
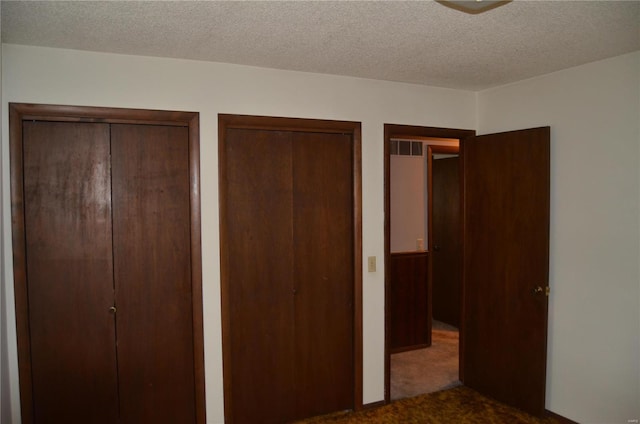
[373, 405]
[408, 348]
[560, 418]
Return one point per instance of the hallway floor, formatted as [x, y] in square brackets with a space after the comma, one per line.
[427, 370]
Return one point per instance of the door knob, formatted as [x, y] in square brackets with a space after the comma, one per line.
[539, 290]
[112, 309]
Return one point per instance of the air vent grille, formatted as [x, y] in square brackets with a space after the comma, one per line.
[406, 148]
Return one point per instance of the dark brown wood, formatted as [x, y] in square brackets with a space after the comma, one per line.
[374, 405]
[409, 302]
[69, 267]
[65, 113]
[413, 132]
[152, 267]
[393, 131]
[21, 298]
[268, 123]
[559, 418]
[259, 252]
[193, 121]
[445, 242]
[506, 257]
[258, 170]
[356, 166]
[323, 272]
[30, 112]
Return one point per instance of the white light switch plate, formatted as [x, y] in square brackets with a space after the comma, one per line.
[371, 263]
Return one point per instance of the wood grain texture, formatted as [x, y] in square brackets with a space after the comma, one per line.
[69, 266]
[20, 290]
[268, 123]
[323, 272]
[506, 256]
[68, 113]
[408, 302]
[320, 389]
[152, 263]
[20, 113]
[356, 158]
[446, 249]
[193, 121]
[259, 246]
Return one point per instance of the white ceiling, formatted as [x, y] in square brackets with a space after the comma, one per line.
[412, 41]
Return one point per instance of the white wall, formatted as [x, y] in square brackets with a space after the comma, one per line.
[593, 110]
[407, 202]
[43, 75]
[594, 323]
[5, 412]
[409, 199]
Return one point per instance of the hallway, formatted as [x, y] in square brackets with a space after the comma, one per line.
[427, 370]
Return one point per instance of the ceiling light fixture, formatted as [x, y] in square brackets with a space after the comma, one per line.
[473, 6]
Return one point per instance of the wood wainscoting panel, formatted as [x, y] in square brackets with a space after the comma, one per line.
[409, 302]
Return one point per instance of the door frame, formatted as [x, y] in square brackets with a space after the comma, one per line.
[431, 149]
[394, 131]
[228, 121]
[19, 112]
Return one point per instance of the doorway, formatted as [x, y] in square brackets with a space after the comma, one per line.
[505, 267]
[425, 276]
[434, 338]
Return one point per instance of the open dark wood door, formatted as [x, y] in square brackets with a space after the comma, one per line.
[506, 266]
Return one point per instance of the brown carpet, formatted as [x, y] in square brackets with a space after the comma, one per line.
[457, 405]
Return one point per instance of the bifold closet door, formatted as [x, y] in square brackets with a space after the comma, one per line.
[152, 263]
[260, 254]
[289, 228]
[67, 213]
[323, 272]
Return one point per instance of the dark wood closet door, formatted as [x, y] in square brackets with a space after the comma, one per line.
[152, 262]
[506, 266]
[323, 272]
[69, 272]
[259, 336]
[447, 249]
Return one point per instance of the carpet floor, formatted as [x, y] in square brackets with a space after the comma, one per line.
[459, 405]
[427, 370]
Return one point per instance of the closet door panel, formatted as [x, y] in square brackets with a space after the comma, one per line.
[67, 211]
[323, 272]
[258, 250]
[152, 262]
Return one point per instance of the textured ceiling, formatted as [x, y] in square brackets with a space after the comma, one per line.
[412, 41]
